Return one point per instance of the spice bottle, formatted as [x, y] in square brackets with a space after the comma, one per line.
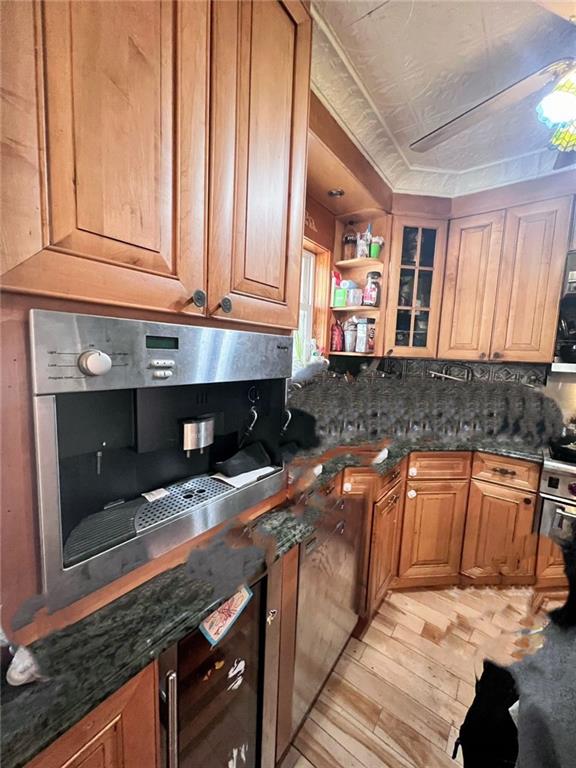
[372, 289]
[365, 335]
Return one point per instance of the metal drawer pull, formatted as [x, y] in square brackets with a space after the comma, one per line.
[272, 613]
[394, 475]
[172, 730]
[341, 527]
[504, 471]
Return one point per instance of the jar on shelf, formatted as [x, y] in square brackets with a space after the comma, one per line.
[365, 335]
[372, 290]
[349, 242]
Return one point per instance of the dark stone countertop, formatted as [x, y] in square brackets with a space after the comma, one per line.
[89, 660]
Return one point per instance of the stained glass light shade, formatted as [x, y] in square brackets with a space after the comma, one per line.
[558, 108]
[564, 138]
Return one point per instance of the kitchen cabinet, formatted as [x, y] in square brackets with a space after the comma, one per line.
[517, 473]
[122, 732]
[415, 287]
[530, 281]
[438, 465]
[550, 564]
[259, 121]
[499, 545]
[470, 286]
[432, 532]
[135, 206]
[124, 124]
[385, 543]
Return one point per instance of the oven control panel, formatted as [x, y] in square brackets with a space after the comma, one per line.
[558, 481]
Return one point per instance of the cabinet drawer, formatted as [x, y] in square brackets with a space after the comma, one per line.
[359, 479]
[391, 478]
[450, 465]
[502, 469]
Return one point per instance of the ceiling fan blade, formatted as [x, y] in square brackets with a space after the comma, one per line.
[504, 98]
[564, 159]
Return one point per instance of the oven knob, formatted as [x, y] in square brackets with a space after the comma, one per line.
[572, 488]
[94, 362]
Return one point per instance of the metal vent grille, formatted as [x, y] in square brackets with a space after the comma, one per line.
[182, 499]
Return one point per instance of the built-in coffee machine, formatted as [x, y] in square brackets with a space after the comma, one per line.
[133, 420]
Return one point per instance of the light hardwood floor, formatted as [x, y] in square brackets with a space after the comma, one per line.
[397, 698]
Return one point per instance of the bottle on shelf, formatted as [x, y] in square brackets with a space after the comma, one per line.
[372, 290]
[337, 337]
[349, 242]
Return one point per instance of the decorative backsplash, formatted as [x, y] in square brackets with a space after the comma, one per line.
[519, 373]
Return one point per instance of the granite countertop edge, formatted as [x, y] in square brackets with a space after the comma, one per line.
[75, 689]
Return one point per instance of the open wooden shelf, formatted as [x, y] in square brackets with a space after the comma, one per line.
[349, 263]
[355, 354]
[373, 310]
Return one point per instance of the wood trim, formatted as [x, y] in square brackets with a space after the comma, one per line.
[556, 184]
[284, 732]
[425, 206]
[133, 709]
[325, 127]
[319, 224]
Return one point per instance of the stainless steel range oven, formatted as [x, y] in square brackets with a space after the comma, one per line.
[131, 421]
[558, 499]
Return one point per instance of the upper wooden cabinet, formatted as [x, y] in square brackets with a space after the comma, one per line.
[260, 84]
[123, 119]
[415, 287]
[530, 280]
[121, 98]
[470, 285]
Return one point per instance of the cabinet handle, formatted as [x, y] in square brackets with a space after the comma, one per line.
[482, 355]
[172, 731]
[272, 613]
[390, 503]
[527, 500]
[394, 475]
[504, 471]
[411, 494]
[199, 298]
[389, 351]
[496, 355]
[413, 472]
[226, 304]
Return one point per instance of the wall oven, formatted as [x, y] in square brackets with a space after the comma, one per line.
[131, 421]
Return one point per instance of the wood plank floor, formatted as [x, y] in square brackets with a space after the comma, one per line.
[397, 698]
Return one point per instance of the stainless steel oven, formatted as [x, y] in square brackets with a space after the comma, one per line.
[131, 419]
[558, 500]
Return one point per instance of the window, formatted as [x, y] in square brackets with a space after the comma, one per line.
[303, 336]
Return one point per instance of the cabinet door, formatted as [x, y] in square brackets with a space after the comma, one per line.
[530, 281]
[470, 284]
[385, 547]
[499, 545]
[415, 287]
[120, 733]
[434, 516]
[259, 115]
[550, 564]
[124, 126]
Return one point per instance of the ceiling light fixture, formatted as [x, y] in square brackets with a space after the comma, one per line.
[558, 108]
[564, 138]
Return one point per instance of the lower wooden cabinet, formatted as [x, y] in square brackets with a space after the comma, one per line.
[385, 543]
[434, 518]
[499, 546]
[122, 732]
[550, 564]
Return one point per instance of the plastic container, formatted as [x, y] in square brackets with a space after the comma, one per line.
[354, 297]
[339, 297]
[365, 335]
[376, 246]
[350, 333]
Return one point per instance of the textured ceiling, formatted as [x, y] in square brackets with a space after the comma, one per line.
[390, 72]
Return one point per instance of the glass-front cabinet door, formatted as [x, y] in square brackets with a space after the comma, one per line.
[415, 287]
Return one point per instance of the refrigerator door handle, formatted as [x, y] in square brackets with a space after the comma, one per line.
[172, 719]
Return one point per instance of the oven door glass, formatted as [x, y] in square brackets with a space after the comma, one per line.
[558, 520]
